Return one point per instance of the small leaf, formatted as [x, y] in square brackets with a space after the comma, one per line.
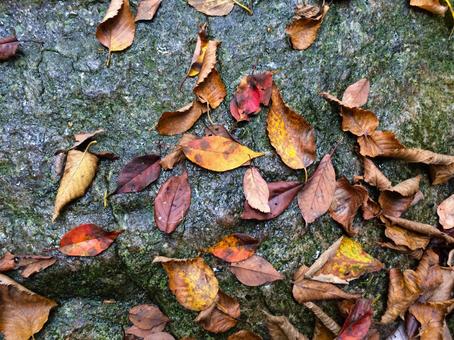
[172, 203]
[255, 271]
[212, 7]
[148, 317]
[280, 328]
[235, 247]
[137, 174]
[83, 138]
[176, 155]
[32, 264]
[199, 52]
[147, 9]
[256, 190]
[221, 315]
[8, 47]
[87, 240]
[192, 281]
[378, 143]
[445, 212]
[432, 6]
[244, 335]
[172, 123]
[7, 262]
[356, 94]
[358, 322]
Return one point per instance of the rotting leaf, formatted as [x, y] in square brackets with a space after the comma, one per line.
[87, 240]
[218, 153]
[358, 322]
[378, 143]
[432, 6]
[8, 47]
[235, 247]
[148, 317]
[281, 195]
[317, 194]
[173, 123]
[22, 312]
[221, 316]
[256, 190]
[255, 271]
[374, 177]
[192, 281]
[177, 154]
[199, 51]
[445, 212]
[137, 174]
[147, 9]
[280, 328]
[395, 200]
[290, 134]
[172, 203]
[244, 335]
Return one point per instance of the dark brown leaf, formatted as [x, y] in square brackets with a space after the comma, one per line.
[396, 200]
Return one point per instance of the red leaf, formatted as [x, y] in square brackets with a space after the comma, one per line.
[138, 173]
[358, 322]
[8, 47]
[87, 240]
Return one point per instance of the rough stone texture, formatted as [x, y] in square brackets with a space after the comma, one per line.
[59, 85]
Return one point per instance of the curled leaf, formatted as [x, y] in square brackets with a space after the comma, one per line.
[255, 271]
[235, 248]
[8, 47]
[256, 190]
[199, 52]
[419, 156]
[431, 316]
[374, 177]
[29, 264]
[221, 316]
[147, 9]
[404, 237]
[358, 322]
[172, 123]
[280, 328]
[445, 212]
[324, 318]
[396, 200]
[432, 6]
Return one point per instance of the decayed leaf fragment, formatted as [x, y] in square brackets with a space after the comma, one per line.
[256, 190]
[358, 322]
[255, 271]
[87, 240]
[395, 200]
[445, 212]
[148, 317]
[8, 47]
[432, 6]
[172, 203]
[29, 264]
[173, 123]
[317, 194]
[221, 316]
[280, 328]
[304, 26]
[146, 9]
[218, 153]
[290, 134]
[343, 261]
[22, 312]
[80, 170]
[176, 155]
[235, 247]
[431, 316]
[192, 281]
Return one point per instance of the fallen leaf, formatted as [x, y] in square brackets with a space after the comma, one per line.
[324, 318]
[218, 130]
[343, 261]
[173, 123]
[256, 190]
[358, 121]
[117, 28]
[218, 153]
[444, 290]
[176, 155]
[160, 336]
[371, 209]
[378, 143]
[83, 138]
[404, 237]
[192, 281]
[374, 177]
[135, 331]
[87, 240]
[445, 213]
[396, 200]
[280, 328]
[221, 316]
[431, 316]
[199, 52]
[281, 195]
[346, 202]
[213, 7]
[441, 174]
[416, 254]
[31, 264]
[304, 26]
[8, 47]
[147, 9]
[7, 262]
[244, 335]
[419, 156]
[137, 174]
[148, 317]
[290, 134]
[432, 6]
[317, 194]
[358, 322]
[22, 312]
[253, 91]
[321, 332]
[80, 170]
[305, 290]
[255, 271]
[235, 247]
[356, 94]
[172, 203]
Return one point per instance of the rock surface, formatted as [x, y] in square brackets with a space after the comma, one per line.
[59, 85]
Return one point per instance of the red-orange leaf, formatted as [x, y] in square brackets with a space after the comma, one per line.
[255, 271]
[358, 322]
[234, 248]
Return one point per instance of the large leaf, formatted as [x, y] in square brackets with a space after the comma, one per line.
[256, 190]
[235, 247]
[255, 271]
[431, 316]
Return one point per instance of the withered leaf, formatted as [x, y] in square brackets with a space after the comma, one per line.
[445, 212]
[419, 156]
[135, 331]
[321, 332]
[235, 247]
[374, 177]
[255, 271]
[358, 322]
[395, 200]
[80, 170]
[432, 6]
[378, 143]
[444, 290]
[147, 9]
[416, 254]
[176, 155]
[148, 317]
[31, 264]
[22, 312]
[371, 209]
[8, 47]
[87, 240]
[212, 7]
[218, 153]
[173, 123]
[404, 237]
[317, 194]
[290, 134]
[172, 203]
[281, 195]
[199, 52]
[256, 190]
[324, 318]
[221, 316]
[358, 121]
[356, 94]
[7, 262]
[431, 316]
[441, 174]
[192, 281]
[137, 174]
[160, 336]
[244, 335]
[280, 328]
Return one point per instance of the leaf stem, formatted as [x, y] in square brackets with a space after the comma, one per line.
[247, 9]
[109, 57]
[451, 10]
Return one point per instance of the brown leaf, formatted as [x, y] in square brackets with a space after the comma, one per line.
[244, 335]
[419, 156]
[445, 212]
[444, 290]
[374, 177]
[378, 143]
[199, 52]
[346, 202]
[235, 247]
[30, 264]
[356, 94]
[371, 209]
[441, 174]
[256, 190]
[396, 200]
[147, 9]
[148, 317]
[173, 123]
[177, 154]
[22, 312]
[431, 316]
[221, 316]
[117, 28]
[321, 332]
[192, 281]
[432, 6]
[324, 318]
[305, 290]
[404, 237]
[136, 332]
[317, 194]
[281, 195]
[7, 262]
[304, 26]
[8, 47]
[358, 121]
[255, 271]
[212, 7]
[159, 336]
[416, 254]
[82, 138]
[290, 134]
[280, 328]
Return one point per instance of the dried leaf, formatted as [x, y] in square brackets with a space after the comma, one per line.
[346, 202]
[356, 94]
[396, 200]
[172, 203]
[7, 262]
[420, 156]
[281, 195]
[22, 312]
[218, 153]
[303, 29]
[32, 264]
[192, 281]
[135, 331]
[317, 194]
[147, 9]
[371, 209]
[173, 123]
[212, 7]
[358, 322]
[327, 321]
[444, 290]
[176, 155]
[83, 138]
[221, 316]
[148, 317]
[256, 190]
[441, 174]
[137, 174]
[416, 254]
[321, 332]
[432, 6]
[199, 52]
[280, 328]
[374, 177]
[244, 335]
[8, 47]
[255, 271]
[160, 336]
[343, 261]
[235, 247]
[445, 213]
[87, 240]
[404, 237]
[378, 143]
[80, 170]
[117, 28]
[290, 134]
[431, 316]
[358, 121]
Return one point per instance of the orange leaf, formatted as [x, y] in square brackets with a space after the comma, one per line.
[358, 121]
[147, 9]
[176, 155]
[234, 248]
[87, 240]
[378, 143]
[255, 271]
[431, 316]
[445, 212]
[256, 190]
[407, 238]
[221, 315]
[212, 90]
[172, 123]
